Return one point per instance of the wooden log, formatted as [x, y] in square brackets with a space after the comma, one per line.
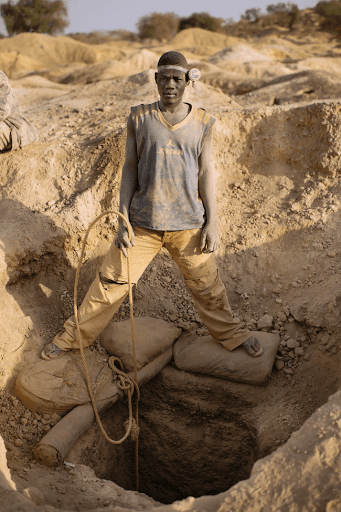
[53, 447]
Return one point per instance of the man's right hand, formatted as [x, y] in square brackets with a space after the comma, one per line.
[122, 238]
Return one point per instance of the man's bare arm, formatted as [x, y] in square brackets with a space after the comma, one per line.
[128, 187]
[209, 237]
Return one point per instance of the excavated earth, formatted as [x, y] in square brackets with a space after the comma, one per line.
[210, 443]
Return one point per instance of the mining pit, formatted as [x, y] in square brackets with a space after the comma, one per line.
[210, 443]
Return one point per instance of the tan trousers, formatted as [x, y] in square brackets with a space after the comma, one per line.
[199, 270]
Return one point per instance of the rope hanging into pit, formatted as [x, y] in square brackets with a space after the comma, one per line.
[125, 382]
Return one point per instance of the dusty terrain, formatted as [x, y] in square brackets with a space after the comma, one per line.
[277, 162]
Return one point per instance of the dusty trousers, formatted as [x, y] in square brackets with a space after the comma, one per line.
[199, 270]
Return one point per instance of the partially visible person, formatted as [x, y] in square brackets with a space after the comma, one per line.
[15, 130]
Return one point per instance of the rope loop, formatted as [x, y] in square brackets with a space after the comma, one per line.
[125, 383]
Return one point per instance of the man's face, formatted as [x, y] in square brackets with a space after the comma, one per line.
[171, 84]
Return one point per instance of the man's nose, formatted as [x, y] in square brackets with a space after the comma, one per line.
[170, 83]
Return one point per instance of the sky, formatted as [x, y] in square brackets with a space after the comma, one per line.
[102, 15]
[89, 15]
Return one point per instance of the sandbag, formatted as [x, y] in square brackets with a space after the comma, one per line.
[59, 385]
[153, 336]
[201, 354]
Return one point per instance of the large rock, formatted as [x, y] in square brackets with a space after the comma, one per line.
[265, 322]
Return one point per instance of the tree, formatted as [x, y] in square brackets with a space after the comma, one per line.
[158, 25]
[42, 16]
[251, 14]
[280, 7]
[331, 16]
[202, 20]
[293, 16]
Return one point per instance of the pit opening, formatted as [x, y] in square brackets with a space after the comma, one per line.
[201, 435]
[195, 439]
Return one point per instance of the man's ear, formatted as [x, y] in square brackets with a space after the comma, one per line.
[155, 77]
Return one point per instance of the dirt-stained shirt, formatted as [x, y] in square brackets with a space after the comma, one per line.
[23, 132]
[167, 197]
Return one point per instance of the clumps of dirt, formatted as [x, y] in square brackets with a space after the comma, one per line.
[22, 428]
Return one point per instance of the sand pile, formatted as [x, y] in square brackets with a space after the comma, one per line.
[239, 53]
[200, 37]
[198, 41]
[111, 69]
[290, 47]
[141, 60]
[13, 63]
[34, 89]
[47, 51]
[304, 86]
[333, 65]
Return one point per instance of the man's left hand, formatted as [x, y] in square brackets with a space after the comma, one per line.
[209, 239]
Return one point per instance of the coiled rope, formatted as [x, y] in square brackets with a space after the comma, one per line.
[125, 382]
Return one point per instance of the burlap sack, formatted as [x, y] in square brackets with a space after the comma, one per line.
[201, 354]
[59, 385]
[152, 336]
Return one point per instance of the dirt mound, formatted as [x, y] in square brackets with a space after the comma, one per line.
[238, 52]
[200, 37]
[303, 86]
[108, 70]
[14, 64]
[200, 42]
[139, 61]
[50, 51]
[35, 89]
[36, 81]
[330, 64]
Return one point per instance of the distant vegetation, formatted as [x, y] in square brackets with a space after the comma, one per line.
[331, 14]
[50, 17]
[158, 25]
[43, 16]
[325, 16]
[99, 37]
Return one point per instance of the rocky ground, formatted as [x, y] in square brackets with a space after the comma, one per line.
[276, 157]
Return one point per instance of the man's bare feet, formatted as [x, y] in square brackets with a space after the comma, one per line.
[252, 347]
[51, 351]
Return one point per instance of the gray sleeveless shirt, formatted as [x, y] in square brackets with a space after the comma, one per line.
[167, 197]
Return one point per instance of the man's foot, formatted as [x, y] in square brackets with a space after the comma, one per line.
[252, 347]
[51, 351]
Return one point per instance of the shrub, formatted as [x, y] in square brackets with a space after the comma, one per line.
[203, 20]
[280, 7]
[251, 14]
[331, 14]
[158, 25]
[43, 16]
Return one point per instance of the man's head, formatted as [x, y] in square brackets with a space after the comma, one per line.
[173, 60]
[172, 77]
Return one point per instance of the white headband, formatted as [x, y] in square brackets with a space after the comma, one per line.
[193, 74]
[179, 68]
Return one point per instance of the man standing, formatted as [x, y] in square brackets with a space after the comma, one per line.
[167, 193]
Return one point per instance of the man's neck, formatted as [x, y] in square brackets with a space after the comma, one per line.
[173, 109]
